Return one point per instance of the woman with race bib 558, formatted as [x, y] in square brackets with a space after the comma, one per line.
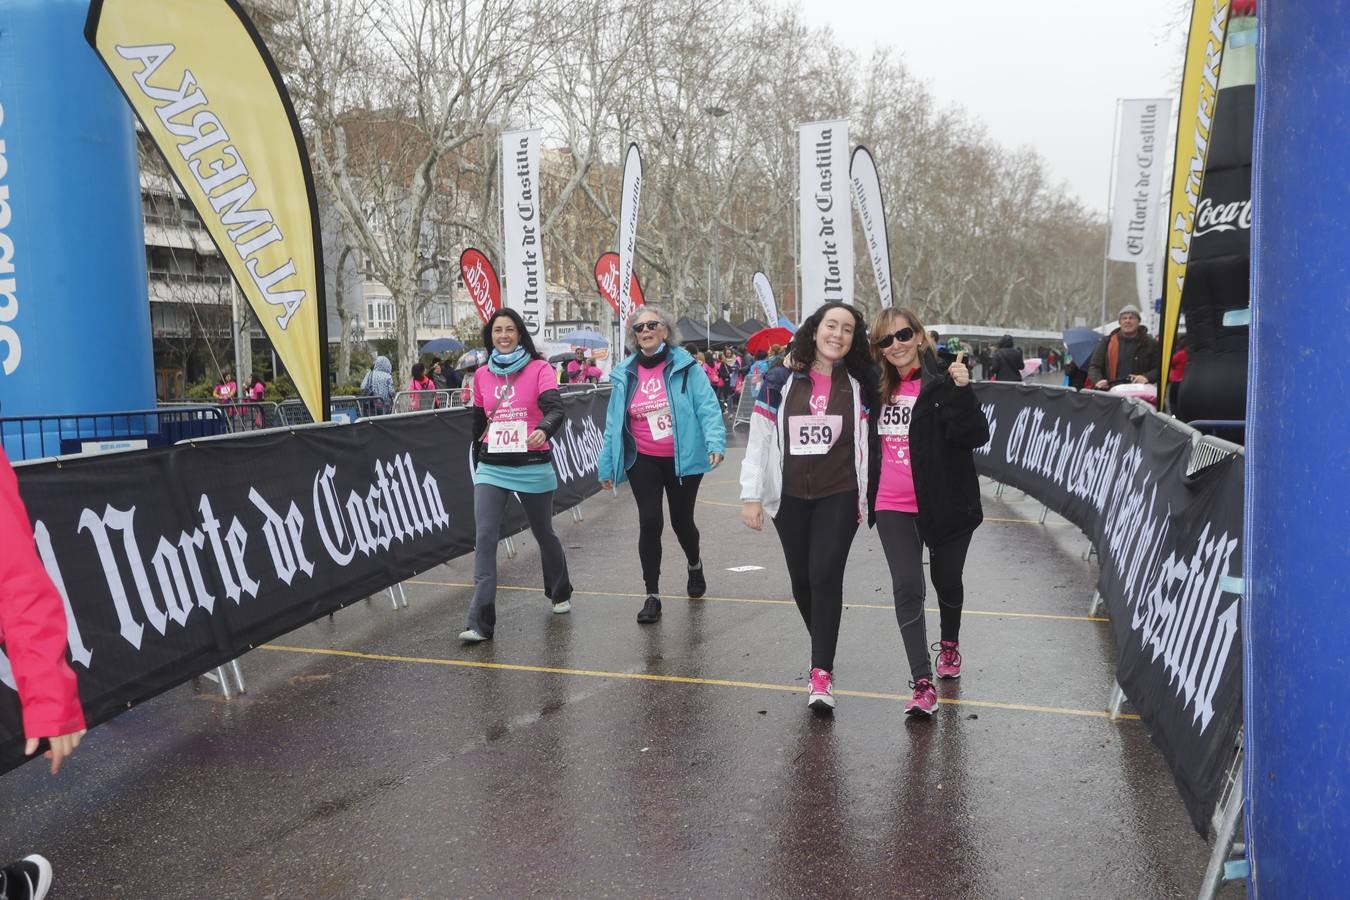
[926, 489]
[517, 409]
[663, 431]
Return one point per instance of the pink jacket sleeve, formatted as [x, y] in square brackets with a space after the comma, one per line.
[33, 623]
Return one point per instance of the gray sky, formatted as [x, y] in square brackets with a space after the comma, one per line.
[1043, 73]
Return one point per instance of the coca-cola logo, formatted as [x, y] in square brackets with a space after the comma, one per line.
[1211, 217]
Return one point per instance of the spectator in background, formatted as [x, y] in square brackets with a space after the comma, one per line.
[575, 373]
[1176, 372]
[422, 387]
[379, 384]
[226, 390]
[1075, 376]
[1127, 354]
[438, 376]
[33, 630]
[1007, 362]
[256, 389]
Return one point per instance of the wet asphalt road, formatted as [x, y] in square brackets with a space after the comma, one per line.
[585, 755]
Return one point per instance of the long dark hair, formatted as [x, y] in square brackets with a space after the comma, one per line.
[525, 340]
[858, 360]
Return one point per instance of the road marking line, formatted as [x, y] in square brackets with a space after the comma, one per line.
[885, 606]
[680, 679]
[986, 518]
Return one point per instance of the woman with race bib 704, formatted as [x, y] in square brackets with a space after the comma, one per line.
[517, 409]
[806, 465]
[926, 489]
[663, 431]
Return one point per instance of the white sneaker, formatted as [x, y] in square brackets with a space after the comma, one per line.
[36, 873]
[562, 608]
[469, 636]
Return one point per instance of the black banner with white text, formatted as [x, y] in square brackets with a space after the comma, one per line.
[1169, 545]
[174, 561]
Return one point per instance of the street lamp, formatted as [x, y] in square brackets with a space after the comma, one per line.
[714, 264]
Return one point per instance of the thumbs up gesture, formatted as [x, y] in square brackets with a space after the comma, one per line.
[960, 375]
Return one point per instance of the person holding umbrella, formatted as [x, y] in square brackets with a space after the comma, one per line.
[663, 431]
[516, 410]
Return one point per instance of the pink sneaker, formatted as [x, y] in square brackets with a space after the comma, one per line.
[822, 694]
[924, 702]
[948, 659]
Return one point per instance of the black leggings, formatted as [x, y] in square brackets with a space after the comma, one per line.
[899, 534]
[816, 536]
[650, 475]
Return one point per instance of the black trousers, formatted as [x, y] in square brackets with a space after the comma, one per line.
[816, 536]
[900, 540]
[651, 476]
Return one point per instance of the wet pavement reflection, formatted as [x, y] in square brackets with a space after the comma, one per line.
[586, 755]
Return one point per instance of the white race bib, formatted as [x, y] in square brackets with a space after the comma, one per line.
[895, 417]
[506, 437]
[813, 435]
[661, 424]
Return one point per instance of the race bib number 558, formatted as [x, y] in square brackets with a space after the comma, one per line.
[813, 435]
[895, 417]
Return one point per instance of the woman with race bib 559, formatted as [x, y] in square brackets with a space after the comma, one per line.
[806, 465]
[663, 431]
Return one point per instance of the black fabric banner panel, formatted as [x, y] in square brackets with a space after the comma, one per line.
[1168, 545]
[174, 561]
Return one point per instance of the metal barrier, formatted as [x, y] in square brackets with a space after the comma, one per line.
[420, 401]
[341, 409]
[29, 437]
[746, 404]
[251, 416]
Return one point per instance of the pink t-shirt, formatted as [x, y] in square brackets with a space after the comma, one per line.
[895, 491]
[511, 399]
[649, 416]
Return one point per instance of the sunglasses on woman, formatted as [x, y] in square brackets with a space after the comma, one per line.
[904, 336]
[639, 327]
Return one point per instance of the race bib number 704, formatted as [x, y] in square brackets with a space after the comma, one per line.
[506, 437]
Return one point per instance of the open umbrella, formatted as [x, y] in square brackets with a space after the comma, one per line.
[1032, 367]
[583, 337]
[472, 358]
[762, 339]
[1080, 342]
[561, 358]
[442, 345]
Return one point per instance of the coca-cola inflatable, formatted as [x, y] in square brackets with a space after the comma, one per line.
[1218, 274]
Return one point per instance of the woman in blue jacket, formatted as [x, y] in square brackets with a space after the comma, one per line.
[663, 430]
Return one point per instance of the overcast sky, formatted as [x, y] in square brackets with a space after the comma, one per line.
[1043, 73]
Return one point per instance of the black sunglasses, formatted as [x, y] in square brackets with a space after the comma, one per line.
[904, 336]
[639, 327]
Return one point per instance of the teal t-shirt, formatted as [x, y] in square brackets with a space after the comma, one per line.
[536, 479]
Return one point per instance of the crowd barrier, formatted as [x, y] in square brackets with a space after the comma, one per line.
[35, 437]
[174, 561]
[1162, 505]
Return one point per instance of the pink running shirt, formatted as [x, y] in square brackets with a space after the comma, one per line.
[895, 491]
[649, 415]
[513, 398]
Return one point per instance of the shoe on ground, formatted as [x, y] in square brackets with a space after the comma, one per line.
[471, 636]
[822, 690]
[28, 879]
[651, 610]
[924, 703]
[562, 607]
[697, 585]
[948, 659]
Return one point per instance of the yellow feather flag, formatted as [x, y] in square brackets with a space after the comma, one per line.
[208, 93]
[1195, 119]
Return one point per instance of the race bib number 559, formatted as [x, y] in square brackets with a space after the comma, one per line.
[813, 435]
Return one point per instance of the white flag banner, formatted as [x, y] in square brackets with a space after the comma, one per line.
[628, 220]
[764, 291]
[1148, 284]
[862, 172]
[1140, 158]
[523, 260]
[826, 219]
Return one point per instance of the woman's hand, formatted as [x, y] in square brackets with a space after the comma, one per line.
[714, 460]
[62, 745]
[960, 375]
[607, 485]
[752, 514]
[536, 439]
